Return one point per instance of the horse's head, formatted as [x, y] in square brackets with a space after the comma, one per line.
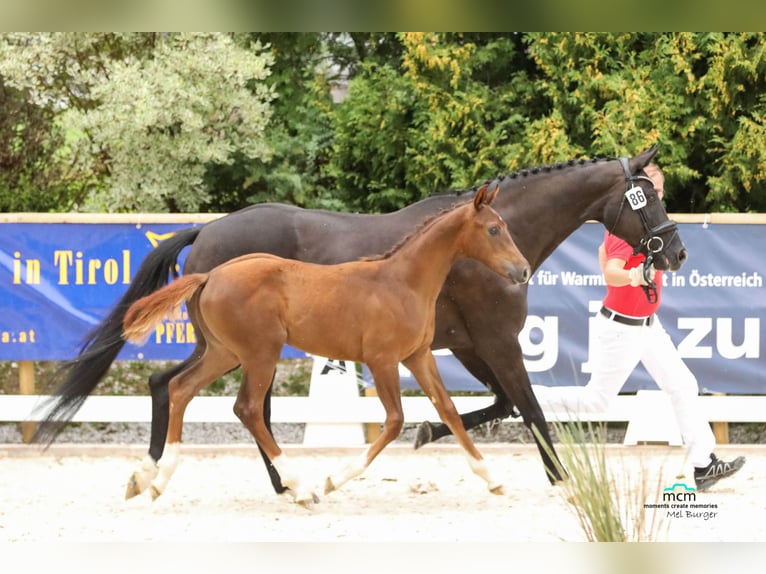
[636, 214]
[490, 242]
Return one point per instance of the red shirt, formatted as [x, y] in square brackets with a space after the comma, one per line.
[628, 300]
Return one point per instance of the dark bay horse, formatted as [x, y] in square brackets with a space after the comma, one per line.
[541, 206]
[248, 308]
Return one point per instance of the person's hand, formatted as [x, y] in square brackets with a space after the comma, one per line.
[637, 278]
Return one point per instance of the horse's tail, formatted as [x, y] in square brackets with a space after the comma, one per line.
[145, 313]
[101, 346]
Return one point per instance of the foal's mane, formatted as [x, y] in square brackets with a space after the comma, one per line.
[419, 230]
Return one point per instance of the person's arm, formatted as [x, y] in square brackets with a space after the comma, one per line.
[614, 273]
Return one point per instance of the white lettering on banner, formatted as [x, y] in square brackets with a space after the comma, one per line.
[539, 340]
[544, 277]
[697, 279]
[593, 306]
[700, 327]
[751, 342]
[579, 279]
[690, 346]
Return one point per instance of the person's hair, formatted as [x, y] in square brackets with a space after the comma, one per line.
[654, 172]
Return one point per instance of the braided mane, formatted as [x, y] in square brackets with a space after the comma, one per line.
[528, 172]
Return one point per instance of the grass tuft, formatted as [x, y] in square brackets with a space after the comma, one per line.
[608, 509]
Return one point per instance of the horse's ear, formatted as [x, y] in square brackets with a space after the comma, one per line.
[638, 162]
[480, 198]
[491, 197]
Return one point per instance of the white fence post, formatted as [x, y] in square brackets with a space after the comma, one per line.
[333, 383]
[652, 420]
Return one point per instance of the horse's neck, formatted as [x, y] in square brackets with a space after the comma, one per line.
[424, 261]
[543, 210]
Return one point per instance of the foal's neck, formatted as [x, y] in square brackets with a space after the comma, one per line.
[426, 258]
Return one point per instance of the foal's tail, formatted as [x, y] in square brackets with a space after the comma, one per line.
[145, 313]
[80, 376]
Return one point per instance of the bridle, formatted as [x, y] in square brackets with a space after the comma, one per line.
[651, 243]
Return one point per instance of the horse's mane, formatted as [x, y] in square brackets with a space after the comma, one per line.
[528, 172]
[419, 230]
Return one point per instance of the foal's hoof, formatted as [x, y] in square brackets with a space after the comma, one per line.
[328, 485]
[499, 490]
[133, 489]
[424, 434]
[308, 503]
[155, 492]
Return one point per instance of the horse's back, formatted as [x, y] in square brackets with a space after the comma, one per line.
[312, 235]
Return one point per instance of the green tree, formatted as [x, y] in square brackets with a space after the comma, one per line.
[735, 85]
[700, 96]
[438, 119]
[461, 107]
[29, 140]
[297, 133]
[145, 115]
[187, 122]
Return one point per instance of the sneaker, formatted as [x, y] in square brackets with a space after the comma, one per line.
[707, 476]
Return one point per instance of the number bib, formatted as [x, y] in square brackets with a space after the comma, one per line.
[636, 198]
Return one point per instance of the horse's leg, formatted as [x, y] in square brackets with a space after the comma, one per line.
[257, 376]
[514, 388]
[498, 410]
[215, 362]
[423, 367]
[158, 385]
[386, 378]
[517, 386]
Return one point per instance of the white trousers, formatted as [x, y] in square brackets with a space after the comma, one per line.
[618, 350]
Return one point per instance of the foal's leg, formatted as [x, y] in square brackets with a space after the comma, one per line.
[257, 376]
[386, 378]
[158, 384]
[423, 367]
[276, 480]
[183, 387]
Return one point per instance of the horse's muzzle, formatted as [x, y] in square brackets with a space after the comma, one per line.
[665, 263]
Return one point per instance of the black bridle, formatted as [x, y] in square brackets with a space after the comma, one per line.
[651, 243]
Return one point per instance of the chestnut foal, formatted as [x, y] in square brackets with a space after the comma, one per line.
[379, 311]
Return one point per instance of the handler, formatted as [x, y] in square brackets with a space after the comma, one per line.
[628, 331]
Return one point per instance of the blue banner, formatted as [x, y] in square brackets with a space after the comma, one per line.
[713, 309]
[58, 281]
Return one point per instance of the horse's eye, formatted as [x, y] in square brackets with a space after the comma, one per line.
[494, 230]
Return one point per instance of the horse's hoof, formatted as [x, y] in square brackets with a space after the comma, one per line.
[328, 485]
[499, 490]
[155, 492]
[424, 434]
[133, 488]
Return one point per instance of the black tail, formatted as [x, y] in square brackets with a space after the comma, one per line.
[102, 345]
